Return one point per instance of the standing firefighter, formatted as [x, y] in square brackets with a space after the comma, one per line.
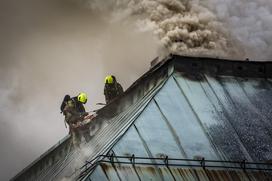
[75, 113]
[112, 88]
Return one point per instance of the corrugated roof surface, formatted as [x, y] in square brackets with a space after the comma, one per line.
[183, 108]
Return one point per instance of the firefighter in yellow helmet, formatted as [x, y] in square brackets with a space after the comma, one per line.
[74, 113]
[112, 88]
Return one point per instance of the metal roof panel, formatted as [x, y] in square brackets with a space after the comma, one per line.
[185, 107]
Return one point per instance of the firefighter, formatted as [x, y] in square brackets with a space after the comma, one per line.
[75, 113]
[112, 88]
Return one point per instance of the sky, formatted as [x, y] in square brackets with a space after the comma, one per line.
[49, 48]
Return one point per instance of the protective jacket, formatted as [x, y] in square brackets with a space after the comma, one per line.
[74, 111]
[112, 90]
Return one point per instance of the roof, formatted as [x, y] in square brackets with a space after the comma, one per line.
[184, 107]
[106, 171]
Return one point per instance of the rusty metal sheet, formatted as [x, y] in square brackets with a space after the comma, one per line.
[129, 172]
[151, 173]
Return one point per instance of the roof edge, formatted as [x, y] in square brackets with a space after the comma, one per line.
[227, 67]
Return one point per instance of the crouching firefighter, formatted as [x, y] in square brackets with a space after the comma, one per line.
[75, 115]
[112, 88]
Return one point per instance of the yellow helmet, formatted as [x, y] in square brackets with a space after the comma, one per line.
[109, 79]
[82, 97]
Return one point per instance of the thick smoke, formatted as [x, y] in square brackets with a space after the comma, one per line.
[232, 29]
[182, 27]
[249, 21]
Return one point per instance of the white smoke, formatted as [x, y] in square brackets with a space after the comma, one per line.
[182, 27]
[249, 21]
[217, 28]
